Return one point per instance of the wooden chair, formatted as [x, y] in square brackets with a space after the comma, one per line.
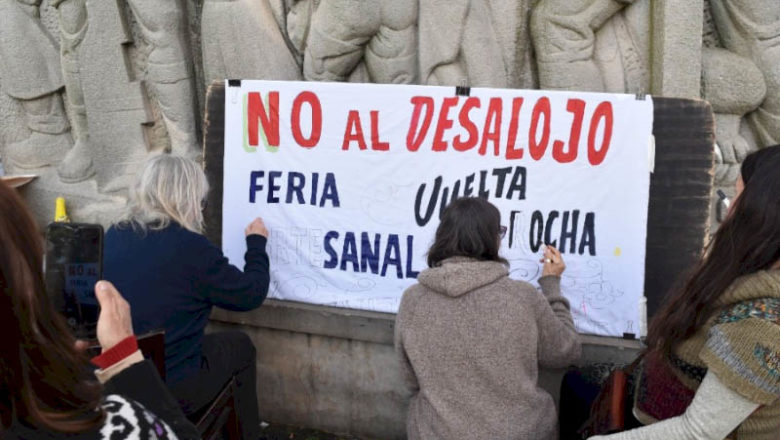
[220, 419]
[152, 345]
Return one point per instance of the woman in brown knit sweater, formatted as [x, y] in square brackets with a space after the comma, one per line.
[470, 340]
[712, 369]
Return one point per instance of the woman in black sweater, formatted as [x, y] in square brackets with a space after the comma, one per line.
[173, 276]
[47, 387]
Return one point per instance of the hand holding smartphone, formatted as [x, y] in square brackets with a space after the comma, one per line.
[73, 264]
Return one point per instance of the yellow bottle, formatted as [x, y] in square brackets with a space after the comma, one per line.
[60, 213]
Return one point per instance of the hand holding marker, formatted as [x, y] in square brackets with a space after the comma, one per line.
[553, 262]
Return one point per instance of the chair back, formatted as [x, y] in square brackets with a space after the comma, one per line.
[152, 345]
[220, 419]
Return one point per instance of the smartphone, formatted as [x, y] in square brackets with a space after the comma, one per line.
[73, 264]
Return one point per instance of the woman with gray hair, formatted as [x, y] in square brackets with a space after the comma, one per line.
[172, 276]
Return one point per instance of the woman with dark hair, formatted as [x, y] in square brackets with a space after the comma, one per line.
[712, 366]
[470, 340]
[47, 387]
[750, 163]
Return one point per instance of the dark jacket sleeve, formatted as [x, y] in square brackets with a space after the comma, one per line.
[140, 382]
[225, 286]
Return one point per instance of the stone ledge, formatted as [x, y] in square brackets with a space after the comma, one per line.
[360, 325]
[357, 325]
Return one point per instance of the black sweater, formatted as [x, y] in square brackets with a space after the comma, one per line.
[172, 278]
[138, 406]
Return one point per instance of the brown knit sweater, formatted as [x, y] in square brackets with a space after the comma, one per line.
[741, 345]
[470, 341]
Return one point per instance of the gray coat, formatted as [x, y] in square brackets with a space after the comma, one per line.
[470, 342]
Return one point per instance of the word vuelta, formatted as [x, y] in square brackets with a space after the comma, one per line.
[484, 134]
[567, 230]
[489, 184]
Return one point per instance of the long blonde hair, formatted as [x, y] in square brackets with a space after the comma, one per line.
[167, 188]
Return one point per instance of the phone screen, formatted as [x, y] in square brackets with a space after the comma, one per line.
[73, 265]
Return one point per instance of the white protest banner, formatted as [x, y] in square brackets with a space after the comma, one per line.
[351, 179]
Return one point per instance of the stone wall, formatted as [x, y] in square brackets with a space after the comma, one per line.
[335, 369]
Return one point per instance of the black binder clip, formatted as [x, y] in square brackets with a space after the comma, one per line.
[462, 89]
[641, 96]
[233, 86]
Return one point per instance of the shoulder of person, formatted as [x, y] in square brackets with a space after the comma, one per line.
[743, 348]
[128, 419]
[766, 309]
[126, 229]
[527, 293]
[412, 294]
[191, 238]
[119, 229]
[520, 287]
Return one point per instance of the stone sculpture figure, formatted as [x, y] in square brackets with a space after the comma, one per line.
[740, 66]
[343, 33]
[33, 72]
[484, 43]
[243, 39]
[752, 29]
[565, 40]
[77, 165]
[735, 86]
[750, 33]
[167, 72]
[30, 73]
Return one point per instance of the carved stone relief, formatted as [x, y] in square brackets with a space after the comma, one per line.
[77, 165]
[110, 80]
[229, 51]
[750, 32]
[92, 102]
[168, 72]
[30, 74]
[564, 34]
[366, 41]
[482, 43]
[740, 63]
